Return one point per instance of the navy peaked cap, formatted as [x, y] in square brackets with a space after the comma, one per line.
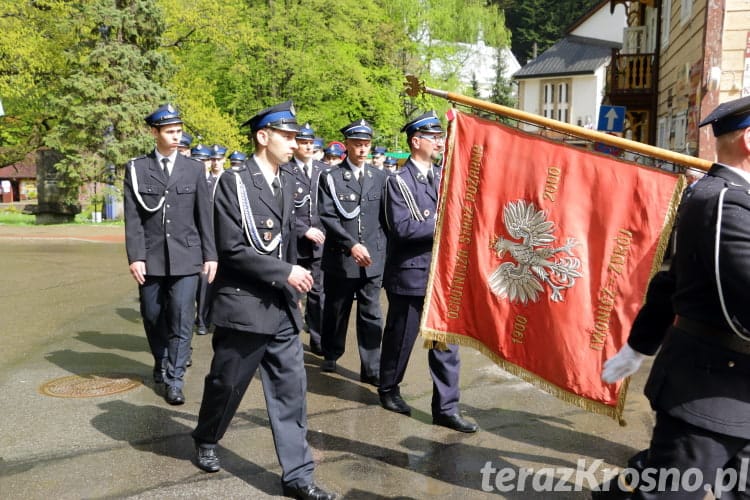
[318, 143]
[281, 117]
[729, 116]
[200, 152]
[334, 150]
[218, 151]
[186, 140]
[379, 150]
[237, 157]
[306, 132]
[390, 161]
[359, 129]
[166, 114]
[428, 122]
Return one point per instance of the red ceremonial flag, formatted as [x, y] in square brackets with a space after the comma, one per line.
[542, 256]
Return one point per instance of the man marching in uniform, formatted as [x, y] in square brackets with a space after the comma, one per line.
[203, 296]
[696, 317]
[354, 253]
[255, 307]
[305, 172]
[411, 196]
[169, 241]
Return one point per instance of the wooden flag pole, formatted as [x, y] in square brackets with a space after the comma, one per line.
[414, 87]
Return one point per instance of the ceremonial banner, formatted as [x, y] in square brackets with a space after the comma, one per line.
[542, 256]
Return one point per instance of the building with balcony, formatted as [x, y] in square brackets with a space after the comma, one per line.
[567, 81]
[678, 61]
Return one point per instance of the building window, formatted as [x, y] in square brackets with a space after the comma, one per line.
[666, 19]
[662, 133]
[556, 100]
[686, 11]
[679, 128]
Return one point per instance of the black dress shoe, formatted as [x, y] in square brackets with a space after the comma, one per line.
[454, 422]
[206, 459]
[174, 396]
[370, 379]
[307, 492]
[202, 330]
[392, 401]
[329, 365]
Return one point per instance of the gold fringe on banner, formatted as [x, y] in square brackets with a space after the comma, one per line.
[614, 412]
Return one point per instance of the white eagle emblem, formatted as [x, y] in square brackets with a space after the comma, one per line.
[535, 260]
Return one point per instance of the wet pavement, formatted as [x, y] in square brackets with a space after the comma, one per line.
[68, 307]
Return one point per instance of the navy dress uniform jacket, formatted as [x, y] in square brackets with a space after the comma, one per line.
[409, 240]
[366, 228]
[306, 207]
[697, 378]
[251, 288]
[169, 239]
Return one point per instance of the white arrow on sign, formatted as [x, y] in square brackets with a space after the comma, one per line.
[611, 116]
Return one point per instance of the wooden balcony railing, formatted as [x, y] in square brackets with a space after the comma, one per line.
[632, 73]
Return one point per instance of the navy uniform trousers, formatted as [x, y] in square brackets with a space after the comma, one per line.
[169, 300]
[339, 293]
[237, 356]
[401, 330]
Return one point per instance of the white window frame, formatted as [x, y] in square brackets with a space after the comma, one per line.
[679, 126]
[662, 133]
[666, 21]
[686, 11]
[556, 99]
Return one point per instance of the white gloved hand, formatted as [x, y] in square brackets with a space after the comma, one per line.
[625, 362]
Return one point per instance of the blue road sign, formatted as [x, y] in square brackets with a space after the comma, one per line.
[611, 118]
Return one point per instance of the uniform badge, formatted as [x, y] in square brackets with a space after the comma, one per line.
[421, 178]
[347, 175]
[352, 196]
[269, 224]
[369, 174]
[426, 213]
[299, 189]
[267, 236]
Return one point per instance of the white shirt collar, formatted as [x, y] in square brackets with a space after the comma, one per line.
[268, 175]
[355, 169]
[172, 158]
[302, 165]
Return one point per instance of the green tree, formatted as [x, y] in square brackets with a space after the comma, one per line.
[540, 22]
[31, 63]
[114, 81]
[502, 90]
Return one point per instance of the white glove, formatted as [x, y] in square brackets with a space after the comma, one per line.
[625, 362]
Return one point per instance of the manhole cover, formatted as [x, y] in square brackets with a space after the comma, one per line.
[89, 386]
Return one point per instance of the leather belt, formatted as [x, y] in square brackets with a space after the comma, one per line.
[713, 335]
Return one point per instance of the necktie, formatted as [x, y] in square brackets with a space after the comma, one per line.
[276, 185]
[165, 162]
[431, 178]
[361, 177]
[307, 171]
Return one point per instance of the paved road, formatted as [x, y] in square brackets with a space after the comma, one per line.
[69, 307]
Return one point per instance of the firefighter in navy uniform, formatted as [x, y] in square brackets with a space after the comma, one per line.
[354, 253]
[411, 198]
[169, 242]
[310, 231]
[255, 306]
[698, 384]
